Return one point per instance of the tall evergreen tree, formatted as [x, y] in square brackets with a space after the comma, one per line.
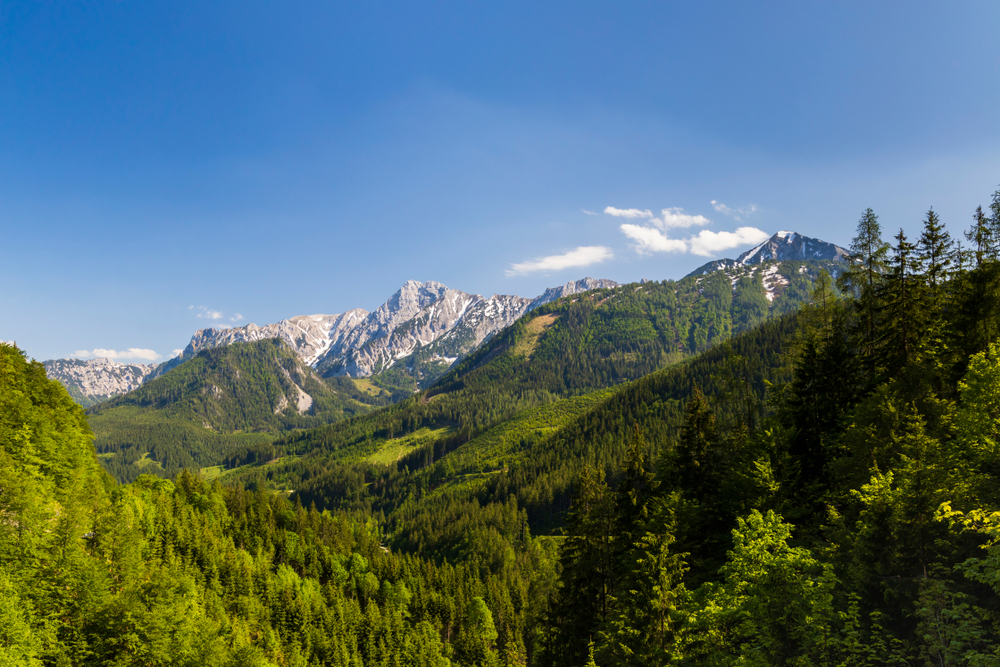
[869, 256]
[632, 498]
[902, 301]
[588, 572]
[995, 217]
[697, 455]
[981, 236]
[979, 289]
[869, 261]
[935, 250]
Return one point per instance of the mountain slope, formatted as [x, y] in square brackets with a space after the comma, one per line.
[569, 348]
[223, 398]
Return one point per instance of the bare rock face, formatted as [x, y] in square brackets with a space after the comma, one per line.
[96, 380]
[451, 326]
[583, 285]
[309, 335]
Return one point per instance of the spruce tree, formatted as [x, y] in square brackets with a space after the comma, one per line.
[902, 325]
[935, 250]
[869, 261]
[697, 454]
[586, 559]
[981, 236]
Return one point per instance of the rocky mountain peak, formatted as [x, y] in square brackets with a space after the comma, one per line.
[791, 245]
[782, 246]
[408, 300]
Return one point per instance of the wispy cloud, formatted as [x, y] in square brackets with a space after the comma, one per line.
[582, 256]
[708, 243]
[236, 318]
[735, 213]
[176, 353]
[677, 218]
[209, 314]
[586, 212]
[630, 213]
[131, 353]
[649, 240]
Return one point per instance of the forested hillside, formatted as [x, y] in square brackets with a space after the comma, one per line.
[186, 573]
[856, 524]
[578, 345]
[223, 399]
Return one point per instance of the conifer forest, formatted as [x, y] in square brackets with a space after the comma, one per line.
[667, 473]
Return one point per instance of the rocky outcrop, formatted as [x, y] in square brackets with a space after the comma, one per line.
[95, 380]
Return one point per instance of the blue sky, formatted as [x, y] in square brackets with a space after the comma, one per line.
[166, 166]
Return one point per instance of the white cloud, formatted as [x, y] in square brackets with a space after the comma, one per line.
[131, 353]
[676, 218]
[708, 243]
[176, 353]
[630, 213]
[582, 256]
[649, 239]
[735, 213]
[586, 212]
[236, 318]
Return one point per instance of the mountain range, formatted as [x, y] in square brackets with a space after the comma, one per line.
[420, 331]
[423, 329]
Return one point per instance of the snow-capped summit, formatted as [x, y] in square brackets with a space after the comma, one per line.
[783, 246]
[791, 245]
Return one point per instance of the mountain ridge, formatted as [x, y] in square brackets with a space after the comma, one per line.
[423, 328]
[95, 380]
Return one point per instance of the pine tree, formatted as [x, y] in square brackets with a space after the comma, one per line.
[868, 260]
[979, 289]
[696, 460]
[631, 498]
[583, 602]
[903, 307]
[981, 236]
[935, 250]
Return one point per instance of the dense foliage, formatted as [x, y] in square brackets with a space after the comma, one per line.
[165, 573]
